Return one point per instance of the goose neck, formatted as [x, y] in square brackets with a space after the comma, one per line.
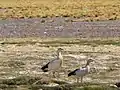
[87, 64]
[59, 55]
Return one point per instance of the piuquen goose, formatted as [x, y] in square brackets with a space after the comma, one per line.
[55, 64]
[82, 71]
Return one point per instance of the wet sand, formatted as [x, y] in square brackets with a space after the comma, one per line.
[58, 27]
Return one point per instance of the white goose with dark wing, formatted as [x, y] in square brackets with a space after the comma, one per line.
[55, 64]
[81, 72]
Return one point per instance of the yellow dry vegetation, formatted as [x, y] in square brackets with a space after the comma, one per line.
[86, 10]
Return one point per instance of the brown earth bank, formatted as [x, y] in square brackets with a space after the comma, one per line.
[58, 27]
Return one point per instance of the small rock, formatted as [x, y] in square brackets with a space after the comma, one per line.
[67, 20]
[42, 21]
[45, 32]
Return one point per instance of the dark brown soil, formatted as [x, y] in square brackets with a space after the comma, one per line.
[58, 27]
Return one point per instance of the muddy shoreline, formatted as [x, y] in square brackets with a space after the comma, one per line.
[58, 27]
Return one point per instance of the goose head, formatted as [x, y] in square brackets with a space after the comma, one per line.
[59, 50]
[89, 61]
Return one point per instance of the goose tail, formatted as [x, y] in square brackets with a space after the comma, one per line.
[72, 73]
[45, 68]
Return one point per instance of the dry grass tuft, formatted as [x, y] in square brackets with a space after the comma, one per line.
[86, 10]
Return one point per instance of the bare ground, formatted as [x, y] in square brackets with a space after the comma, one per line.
[58, 27]
[21, 63]
[22, 58]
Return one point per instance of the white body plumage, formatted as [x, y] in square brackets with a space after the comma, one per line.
[82, 71]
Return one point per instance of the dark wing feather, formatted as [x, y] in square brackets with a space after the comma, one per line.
[45, 67]
[73, 72]
[118, 84]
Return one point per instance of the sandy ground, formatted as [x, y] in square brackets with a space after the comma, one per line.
[58, 27]
[26, 58]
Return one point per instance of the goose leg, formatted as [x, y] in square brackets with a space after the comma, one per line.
[50, 73]
[82, 79]
[54, 74]
[77, 79]
[58, 74]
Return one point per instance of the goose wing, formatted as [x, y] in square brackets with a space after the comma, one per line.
[45, 67]
[81, 72]
[51, 65]
[73, 72]
[78, 72]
